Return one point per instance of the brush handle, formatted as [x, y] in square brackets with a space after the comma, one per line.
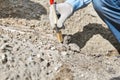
[55, 19]
[51, 2]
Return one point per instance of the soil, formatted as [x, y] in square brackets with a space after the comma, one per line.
[29, 49]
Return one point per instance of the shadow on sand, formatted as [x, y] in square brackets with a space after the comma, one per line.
[80, 38]
[115, 78]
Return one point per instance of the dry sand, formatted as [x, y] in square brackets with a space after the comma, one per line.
[29, 49]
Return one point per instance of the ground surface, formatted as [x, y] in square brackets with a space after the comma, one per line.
[29, 49]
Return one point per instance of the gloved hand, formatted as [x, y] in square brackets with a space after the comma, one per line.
[65, 10]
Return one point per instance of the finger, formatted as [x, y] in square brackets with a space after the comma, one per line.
[61, 20]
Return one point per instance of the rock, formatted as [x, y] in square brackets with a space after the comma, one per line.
[4, 59]
[53, 48]
[29, 59]
[57, 66]
[6, 47]
[64, 73]
[74, 47]
[112, 53]
[67, 39]
[64, 53]
[62, 47]
[38, 55]
[30, 51]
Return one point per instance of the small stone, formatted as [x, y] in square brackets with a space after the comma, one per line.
[112, 53]
[6, 47]
[32, 26]
[62, 48]
[74, 47]
[4, 59]
[52, 48]
[67, 39]
[30, 59]
[64, 53]
[48, 64]
[58, 66]
[41, 59]
[38, 55]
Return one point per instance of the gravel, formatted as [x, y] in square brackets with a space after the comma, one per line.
[29, 49]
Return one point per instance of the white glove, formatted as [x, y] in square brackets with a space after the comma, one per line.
[65, 10]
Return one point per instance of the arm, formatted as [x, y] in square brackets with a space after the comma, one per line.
[78, 4]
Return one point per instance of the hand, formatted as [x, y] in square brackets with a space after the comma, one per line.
[65, 10]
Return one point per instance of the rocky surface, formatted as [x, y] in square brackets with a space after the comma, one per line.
[29, 49]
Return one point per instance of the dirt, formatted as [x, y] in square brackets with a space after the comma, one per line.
[29, 49]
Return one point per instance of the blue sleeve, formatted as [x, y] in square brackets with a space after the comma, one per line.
[77, 4]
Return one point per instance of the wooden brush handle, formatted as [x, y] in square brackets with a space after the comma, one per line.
[55, 19]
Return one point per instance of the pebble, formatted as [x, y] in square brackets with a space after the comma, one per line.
[4, 59]
[64, 53]
[38, 55]
[67, 39]
[74, 47]
[58, 66]
[29, 59]
[53, 48]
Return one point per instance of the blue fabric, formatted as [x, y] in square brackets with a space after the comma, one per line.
[108, 10]
[77, 4]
